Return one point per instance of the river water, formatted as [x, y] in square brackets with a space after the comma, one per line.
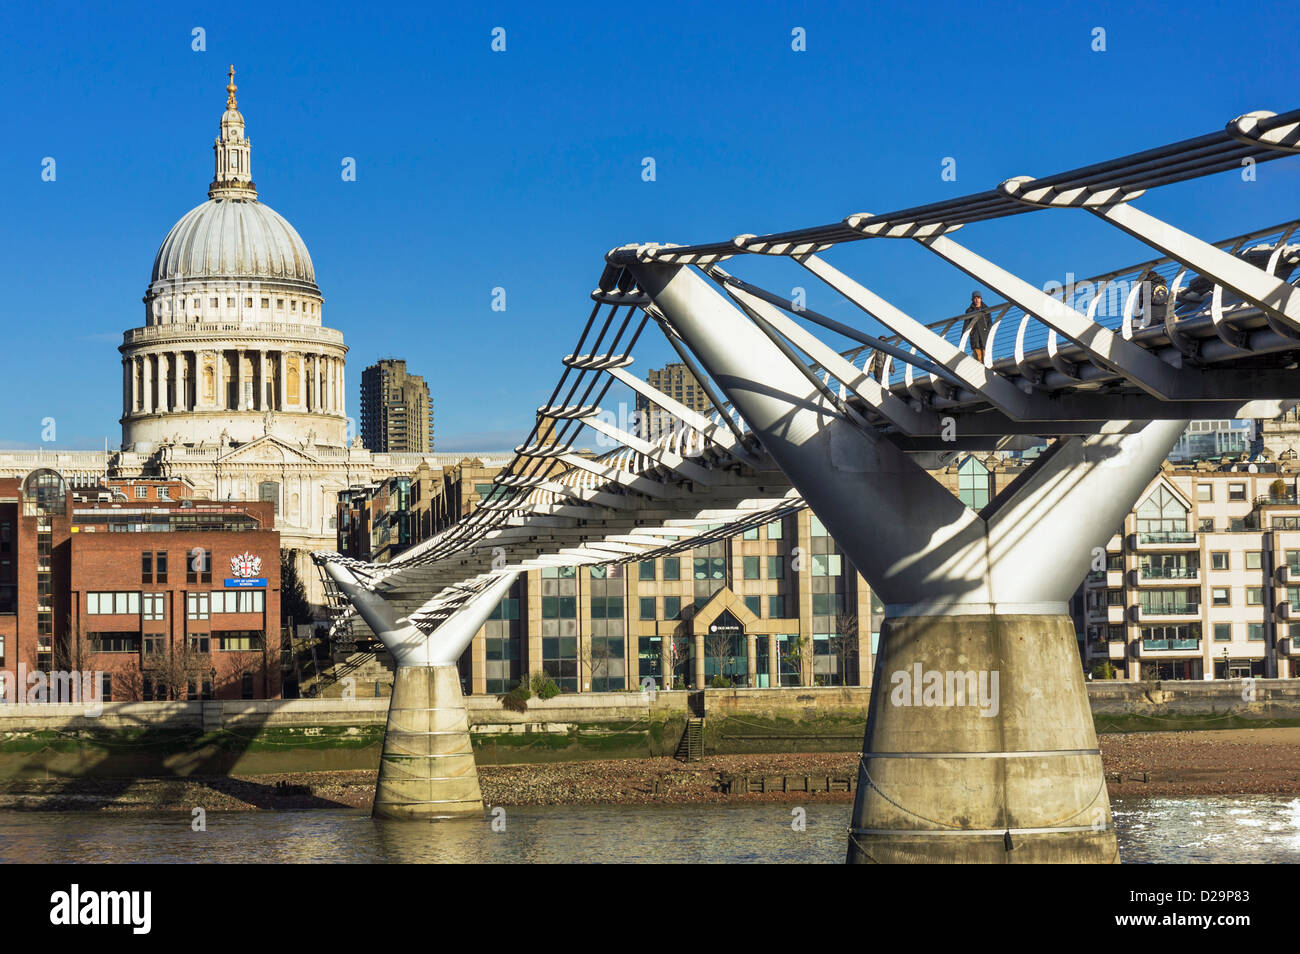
[1255, 829]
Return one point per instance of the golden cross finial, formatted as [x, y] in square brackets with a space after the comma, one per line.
[230, 90]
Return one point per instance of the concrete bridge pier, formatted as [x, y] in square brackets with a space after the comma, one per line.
[427, 769]
[980, 744]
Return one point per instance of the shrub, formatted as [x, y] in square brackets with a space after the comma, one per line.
[516, 700]
[544, 686]
[719, 681]
[679, 682]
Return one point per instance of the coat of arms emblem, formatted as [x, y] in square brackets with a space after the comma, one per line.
[246, 565]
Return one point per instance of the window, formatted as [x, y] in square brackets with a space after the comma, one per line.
[1219, 560]
[266, 303]
[827, 604]
[1236, 491]
[268, 491]
[234, 641]
[1254, 596]
[774, 530]
[775, 568]
[141, 493]
[1162, 517]
[827, 564]
[246, 686]
[973, 484]
[1205, 493]
[237, 601]
[248, 303]
[146, 567]
[754, 605]
[1205, 524]
[154, 605]
[647, 607]
[1254, 559]
[200, 643]
[672, 568]
[1114, 597]
[776, 607]
[1293, 560]
[1255, 632]
[750, 534]
[113, 642]
[164, 493]
[647, 570]
[672, 607]
[112, 603]
[1221, 596]
[751, 568]
[198, 567]
[279, 303]
[196, 605]
[1223, 632]
[216, 302]
[106, 687]
[160, 566]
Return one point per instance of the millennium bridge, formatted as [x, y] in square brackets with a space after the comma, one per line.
[1107, 370]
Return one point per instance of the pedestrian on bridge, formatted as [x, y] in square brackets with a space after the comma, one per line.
[979, 322]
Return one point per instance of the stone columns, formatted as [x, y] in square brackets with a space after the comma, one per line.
[164, 374]
[147, 384]
[282, 372]
[241, 386]
[751, 659]
[697, 651]
[315, 391]
[219, 377]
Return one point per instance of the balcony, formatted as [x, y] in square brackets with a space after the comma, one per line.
[1164, 540]
[1172, 645]
[1158, 574]
[1280, 500]
[1168, 610]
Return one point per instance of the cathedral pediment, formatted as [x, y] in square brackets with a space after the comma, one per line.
[269, 449]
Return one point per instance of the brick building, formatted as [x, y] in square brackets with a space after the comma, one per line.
[167, 595]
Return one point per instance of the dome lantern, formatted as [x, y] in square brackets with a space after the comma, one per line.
[233, 178]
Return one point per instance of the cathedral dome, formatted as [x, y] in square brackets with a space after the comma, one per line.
[238, 238]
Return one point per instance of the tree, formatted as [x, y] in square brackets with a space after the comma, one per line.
[844, 644]
[596, 659]
[293, 594]
[176, 667]
[796, 648]
[722, 648]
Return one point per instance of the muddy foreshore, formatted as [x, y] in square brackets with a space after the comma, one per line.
[1228, 762]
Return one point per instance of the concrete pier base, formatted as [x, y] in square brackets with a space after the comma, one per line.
[427, 769]
[980, 747]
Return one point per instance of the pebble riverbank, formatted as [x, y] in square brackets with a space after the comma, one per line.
[1229, 762]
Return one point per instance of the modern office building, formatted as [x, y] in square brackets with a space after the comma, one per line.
[396, 411]
[776, 605]
[677, 382]
[1212, 440]
[168, 595]
[1202, 580]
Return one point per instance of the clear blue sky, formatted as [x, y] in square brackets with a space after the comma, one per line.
[521, 169]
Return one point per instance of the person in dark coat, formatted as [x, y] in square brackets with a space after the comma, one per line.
[1154, 301]
[979, 322]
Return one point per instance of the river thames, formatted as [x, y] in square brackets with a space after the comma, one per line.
[1249, 829]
